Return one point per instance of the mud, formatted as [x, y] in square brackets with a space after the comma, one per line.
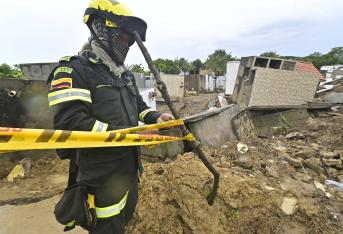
[277, 186]
[47, 178]
[191, 105]
[275, 193]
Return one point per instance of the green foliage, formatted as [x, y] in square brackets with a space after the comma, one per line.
[335, 56]
[182, 64]
[271, 54]
[147, 73]
[167, 66]
[137, 68]
[6, 71]
[197, 65]
[217, 61]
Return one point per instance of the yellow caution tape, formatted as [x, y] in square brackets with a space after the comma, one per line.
[167, 124]
[15, 139]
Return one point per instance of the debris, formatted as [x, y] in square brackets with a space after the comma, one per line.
[295, 136]
[302, 177]
[340, 178]
[244, 162]
[18, 171]
[335, 183]
[22, 169]
[315, 146]
[268, 188]
[332, 171]
[289, 205]
[322, 187]
[305, 153]
[314, 164]
[222, 101]
[337, 163]
[335, 108]
[327, 154]
[242, 148]
[280, 148]
[26, 163]
[272, 171]
[266, 124]
[294, 162]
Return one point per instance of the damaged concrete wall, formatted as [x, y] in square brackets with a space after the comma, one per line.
[214, 127]
[267, 124]
[175, 85]
[278, 88]
[37, 71]
[267, 82]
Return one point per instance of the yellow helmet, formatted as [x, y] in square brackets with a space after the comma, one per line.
[117, 15]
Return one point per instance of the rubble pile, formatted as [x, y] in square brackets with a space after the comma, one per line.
[331, 91]
[276, 185]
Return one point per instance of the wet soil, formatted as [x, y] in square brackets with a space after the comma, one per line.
[277, 186]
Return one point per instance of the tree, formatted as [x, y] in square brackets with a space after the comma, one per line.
[271, 54]
[6, 71]
[197, 65]
[315, 58]
[137, 68]
[182, 64]
[218, 60]
[334, 56]
[167, 66]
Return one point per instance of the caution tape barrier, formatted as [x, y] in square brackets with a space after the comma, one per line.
[17, 139]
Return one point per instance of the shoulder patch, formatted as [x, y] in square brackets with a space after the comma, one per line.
[94, 60]
[65, 59]
[64, 82]
[68, 70]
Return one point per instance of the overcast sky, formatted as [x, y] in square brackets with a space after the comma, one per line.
[43, 31]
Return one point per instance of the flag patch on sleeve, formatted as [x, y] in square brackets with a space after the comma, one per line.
[61, 83]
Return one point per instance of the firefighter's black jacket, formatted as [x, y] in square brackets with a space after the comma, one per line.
[85, 96]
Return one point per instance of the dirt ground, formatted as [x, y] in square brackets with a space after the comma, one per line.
[277, 186]
[191, 104]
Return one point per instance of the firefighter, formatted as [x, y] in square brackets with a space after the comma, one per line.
[93, 91]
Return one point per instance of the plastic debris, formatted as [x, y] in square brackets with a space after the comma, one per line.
[322, 187]
[18, 171]
[334, 183]
[242, 148]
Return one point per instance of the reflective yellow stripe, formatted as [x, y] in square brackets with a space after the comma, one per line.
[65, 58]
[68, 70]
[66, 95]
[91, 201]
[62, 80]
[144, 113]
[99, 126]
[113, 210]
[99, 86]
[70, 224]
